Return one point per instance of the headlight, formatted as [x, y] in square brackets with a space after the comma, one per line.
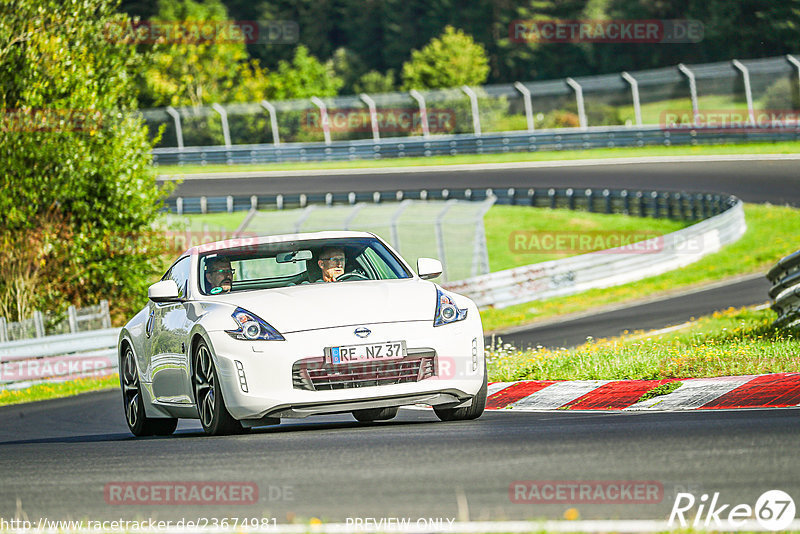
[252, 327]
[446, 310]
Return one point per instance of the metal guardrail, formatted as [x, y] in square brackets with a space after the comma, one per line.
[60, 357]
[41, 324]
[608, 267]
[785, 276]
[540, 140]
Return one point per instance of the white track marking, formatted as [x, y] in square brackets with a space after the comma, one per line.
[557, 395]
[498, 386]
[693, 394]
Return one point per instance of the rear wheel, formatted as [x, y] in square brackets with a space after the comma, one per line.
[375, 414]
[470, 412]
[138, 423]
[214, 416]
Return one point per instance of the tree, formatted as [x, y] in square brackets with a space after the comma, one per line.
[192, 72]
[79, 196]
[452, 60]
[304, 77]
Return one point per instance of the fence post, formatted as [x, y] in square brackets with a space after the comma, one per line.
[526, 98]
[179, 205]
[38, 323]
[473, 100]
[229, 203]
[203, 205]
[395, 217]
[748, 93]
[273, 120]
[570, 198]
[637, 106]
[72, 315]
[692, 92]
[253, 202]
[440, 236]
[579, 100]
[589, 194]
[794, 61]
[176, 117]
[480, 254]
[373, 116]
[223, 117]
[3, 330]
[106, 314]
[607, 200]
[423, 112]
[323, 117]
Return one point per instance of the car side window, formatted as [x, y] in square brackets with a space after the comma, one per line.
[180, 274]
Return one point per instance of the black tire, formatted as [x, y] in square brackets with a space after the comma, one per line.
[470, 412]
[214, 416]
[133, 405]
[375, 414]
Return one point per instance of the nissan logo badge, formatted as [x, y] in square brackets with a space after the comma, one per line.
[362, 332]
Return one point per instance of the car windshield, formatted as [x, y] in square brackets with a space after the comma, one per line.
[286, 264]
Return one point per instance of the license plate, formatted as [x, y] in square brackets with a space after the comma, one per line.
[390, 350]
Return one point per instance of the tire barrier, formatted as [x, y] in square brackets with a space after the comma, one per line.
[785, 277]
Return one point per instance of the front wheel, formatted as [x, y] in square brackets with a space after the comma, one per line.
[138, 423]
[473, 411]
[214, 416]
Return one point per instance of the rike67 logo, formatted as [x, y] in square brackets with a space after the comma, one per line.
[773, 510]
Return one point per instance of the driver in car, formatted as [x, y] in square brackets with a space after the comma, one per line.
[331, 263]
[219, 275]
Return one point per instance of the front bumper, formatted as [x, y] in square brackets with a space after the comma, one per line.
[259, 378]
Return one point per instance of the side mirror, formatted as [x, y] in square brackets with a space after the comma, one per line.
[163, 291]
[428, 268]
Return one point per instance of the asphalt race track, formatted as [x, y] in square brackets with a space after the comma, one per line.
[58, 457]
[652, 315]
[777, 182]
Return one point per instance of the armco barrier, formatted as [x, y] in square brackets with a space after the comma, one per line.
[60, 357]
[547, 140]
[785, 276]
[605, 268]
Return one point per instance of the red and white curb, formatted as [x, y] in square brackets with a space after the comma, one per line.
[780, 390]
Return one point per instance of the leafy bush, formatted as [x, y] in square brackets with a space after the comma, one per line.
[79, 195]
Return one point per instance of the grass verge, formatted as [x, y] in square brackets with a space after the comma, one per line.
[729, 343]
[57, 389]
[465, 159]
[771, 234]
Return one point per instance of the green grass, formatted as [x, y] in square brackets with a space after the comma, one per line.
[771, 234]
[729, 343]
[504, 225]
[600, 153]
[57, 389]
[663, 389]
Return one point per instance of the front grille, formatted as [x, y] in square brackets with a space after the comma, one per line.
[314, 374]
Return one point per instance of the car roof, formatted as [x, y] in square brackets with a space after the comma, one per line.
[251, 241]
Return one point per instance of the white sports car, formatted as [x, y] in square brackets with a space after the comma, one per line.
[244, 332]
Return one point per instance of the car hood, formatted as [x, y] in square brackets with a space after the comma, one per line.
[326, 305]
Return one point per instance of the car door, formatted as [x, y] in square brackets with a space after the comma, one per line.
[169, 339]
